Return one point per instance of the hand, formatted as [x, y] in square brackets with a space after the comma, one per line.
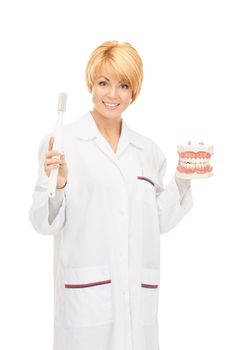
[56, 159]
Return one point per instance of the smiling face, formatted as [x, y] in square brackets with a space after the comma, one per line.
[110, 95]
[118, 64]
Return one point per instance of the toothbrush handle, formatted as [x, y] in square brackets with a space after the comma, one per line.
[53, 181]
[57, 145]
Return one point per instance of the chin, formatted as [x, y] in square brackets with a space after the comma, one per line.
[109, 114]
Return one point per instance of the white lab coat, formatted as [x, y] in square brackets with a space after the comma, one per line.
[106, 225]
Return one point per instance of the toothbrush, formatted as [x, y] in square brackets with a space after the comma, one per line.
[58, 134]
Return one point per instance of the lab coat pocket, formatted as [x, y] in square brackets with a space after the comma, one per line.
[149, 295]
[88, 296]
[146, 189]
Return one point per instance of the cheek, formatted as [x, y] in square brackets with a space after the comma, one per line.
[127, 99]
[95, 96]
[97, 93]
[127, 96]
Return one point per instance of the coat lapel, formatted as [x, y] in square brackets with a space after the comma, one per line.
[87, 130]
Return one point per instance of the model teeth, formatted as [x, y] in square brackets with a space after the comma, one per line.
[194, 161]
[194, 164]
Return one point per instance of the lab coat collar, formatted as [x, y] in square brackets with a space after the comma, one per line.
[88, 130]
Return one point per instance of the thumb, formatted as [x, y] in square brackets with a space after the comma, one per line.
[62, 157]
[51, 142]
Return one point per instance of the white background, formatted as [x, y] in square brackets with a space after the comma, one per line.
[189, 49]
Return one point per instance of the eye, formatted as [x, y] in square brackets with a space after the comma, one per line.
[102, 83]
[124, 86]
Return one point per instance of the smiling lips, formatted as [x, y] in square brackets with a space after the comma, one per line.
[110, 106]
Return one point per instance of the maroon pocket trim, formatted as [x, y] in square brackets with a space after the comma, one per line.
[145, 179]
[145, 285]
[85, 285]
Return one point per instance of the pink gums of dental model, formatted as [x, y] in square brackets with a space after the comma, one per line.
[194, 161]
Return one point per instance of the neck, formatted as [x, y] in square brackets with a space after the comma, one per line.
[111, 128]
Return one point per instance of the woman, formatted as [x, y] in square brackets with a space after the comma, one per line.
[106, 218]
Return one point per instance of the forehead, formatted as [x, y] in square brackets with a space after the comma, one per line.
[109, 72]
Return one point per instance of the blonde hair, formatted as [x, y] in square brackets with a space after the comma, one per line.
[122, 58]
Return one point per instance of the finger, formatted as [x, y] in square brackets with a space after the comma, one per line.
[52, 166]
[62, 156]
[49, 162]
[62, 164]
[51, 142]
[49, 168]
[52, 153]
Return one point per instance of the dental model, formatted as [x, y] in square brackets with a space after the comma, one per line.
[194, 161]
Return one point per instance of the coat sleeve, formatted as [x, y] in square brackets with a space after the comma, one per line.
[174, 201]
[47, 215]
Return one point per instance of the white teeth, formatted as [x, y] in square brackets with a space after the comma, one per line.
[194, 163]
[110, 105]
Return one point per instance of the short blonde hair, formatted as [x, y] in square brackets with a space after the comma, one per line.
[122, 58]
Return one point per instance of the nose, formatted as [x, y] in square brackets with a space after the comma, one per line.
[112, 92]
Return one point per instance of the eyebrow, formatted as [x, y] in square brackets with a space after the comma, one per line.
[102, 76]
